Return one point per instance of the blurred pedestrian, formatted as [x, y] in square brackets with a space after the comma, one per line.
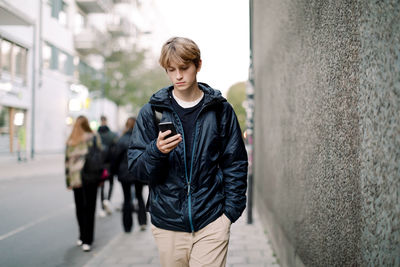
[85, 189]
[198, 177]
[120, 168]
[108, 140]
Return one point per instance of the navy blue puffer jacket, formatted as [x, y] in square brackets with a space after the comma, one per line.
[187, 198]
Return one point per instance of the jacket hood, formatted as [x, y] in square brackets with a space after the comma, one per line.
[163, 96]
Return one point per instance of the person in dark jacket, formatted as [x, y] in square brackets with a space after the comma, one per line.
[119, 167]
[108, 140]
[198, 177]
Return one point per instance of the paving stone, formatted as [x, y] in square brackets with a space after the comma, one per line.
[236, 259]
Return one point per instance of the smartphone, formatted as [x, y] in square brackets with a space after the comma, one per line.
[167, 125]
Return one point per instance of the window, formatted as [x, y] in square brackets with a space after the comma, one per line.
[69, 69]
[56, 59]
[62, 62]
[46, 55]
[12, 130]
[62, 15]
[59, 11]
[4, 130]
[50, 56]
[54, 4]
[6, 55]
[13, 60]
[19, 59]
[65, 63]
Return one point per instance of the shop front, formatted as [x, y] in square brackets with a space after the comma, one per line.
[13, 132]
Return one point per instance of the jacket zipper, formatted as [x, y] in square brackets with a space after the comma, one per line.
[188, 179]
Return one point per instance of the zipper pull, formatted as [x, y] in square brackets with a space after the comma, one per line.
[188, 192]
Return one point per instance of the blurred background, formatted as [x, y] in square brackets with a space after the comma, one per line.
[315, 85]
[63, 58]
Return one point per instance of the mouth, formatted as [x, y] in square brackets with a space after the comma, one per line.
[180, 83]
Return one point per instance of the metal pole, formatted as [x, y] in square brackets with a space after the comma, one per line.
[251, 130]
[33, 93]
[37, 52]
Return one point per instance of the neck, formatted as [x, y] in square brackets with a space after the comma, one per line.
[191, 94]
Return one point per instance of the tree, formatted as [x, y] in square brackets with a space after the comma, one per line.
[126, 79]
[129, 80]
[236, 96]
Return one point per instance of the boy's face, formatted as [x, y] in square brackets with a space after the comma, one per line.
[183, 77]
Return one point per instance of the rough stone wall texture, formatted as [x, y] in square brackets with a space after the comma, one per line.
[379, 109]
[327, 129]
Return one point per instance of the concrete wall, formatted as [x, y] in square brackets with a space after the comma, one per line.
[379, 128]
[51, 112]
[327, 130]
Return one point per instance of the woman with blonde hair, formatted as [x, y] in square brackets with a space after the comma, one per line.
[85, 191]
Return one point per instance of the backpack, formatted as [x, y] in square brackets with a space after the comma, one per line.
[94, 163]
[108, 140]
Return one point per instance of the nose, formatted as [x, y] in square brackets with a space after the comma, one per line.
[178, 75]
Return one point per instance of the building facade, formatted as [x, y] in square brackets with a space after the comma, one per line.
[47, 48]
[18, 56]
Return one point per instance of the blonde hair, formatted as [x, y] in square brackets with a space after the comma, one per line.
[81, 127]
[179, 50]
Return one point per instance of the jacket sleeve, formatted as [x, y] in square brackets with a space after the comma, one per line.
[233, 163]
[145, 161]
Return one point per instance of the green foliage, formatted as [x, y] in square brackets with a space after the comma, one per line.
[90, 82]
[236, 96]
[127, 79]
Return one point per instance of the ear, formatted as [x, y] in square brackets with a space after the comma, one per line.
[199, 67]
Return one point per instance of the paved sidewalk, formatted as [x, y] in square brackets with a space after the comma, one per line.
[248, 247]
[41, 165]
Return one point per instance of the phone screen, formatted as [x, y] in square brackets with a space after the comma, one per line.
[164, 126]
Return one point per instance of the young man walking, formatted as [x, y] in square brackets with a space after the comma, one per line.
[198, 177]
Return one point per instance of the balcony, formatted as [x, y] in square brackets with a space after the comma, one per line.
[95, 6]
[123, 1]
[118, 26]
[89, 41]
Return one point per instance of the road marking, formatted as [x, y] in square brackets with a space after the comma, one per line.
[29, 225]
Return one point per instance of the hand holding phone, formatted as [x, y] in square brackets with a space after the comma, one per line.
[164, 126]
[167, 146]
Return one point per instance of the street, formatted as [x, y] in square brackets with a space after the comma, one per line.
[38, 225]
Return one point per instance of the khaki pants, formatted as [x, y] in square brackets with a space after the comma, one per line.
[206, 247]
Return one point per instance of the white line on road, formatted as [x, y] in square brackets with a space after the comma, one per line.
[26, 226]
